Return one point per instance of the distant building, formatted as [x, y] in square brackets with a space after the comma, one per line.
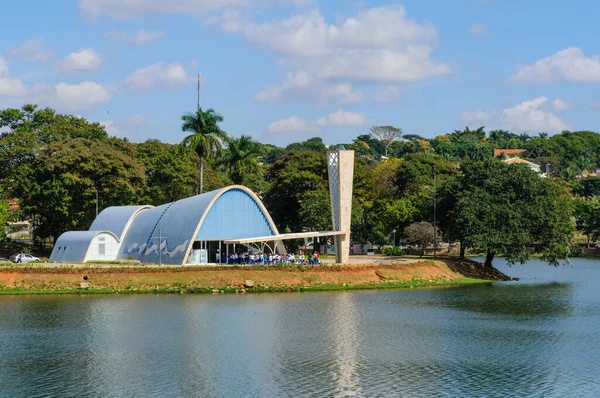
[511, 156]
[532, 166]
[507, 152]
[13, 205]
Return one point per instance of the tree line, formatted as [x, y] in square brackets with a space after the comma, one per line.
[62, 168]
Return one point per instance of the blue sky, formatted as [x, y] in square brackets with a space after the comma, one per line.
[287, 70]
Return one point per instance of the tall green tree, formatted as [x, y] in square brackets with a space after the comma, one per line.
[170, 174]
[386, 135]
[60, 189]
[310, 145]
[587, 217]
[290, 178]
[27, 131]
[206, 139]
[241, 159]
[508, 209]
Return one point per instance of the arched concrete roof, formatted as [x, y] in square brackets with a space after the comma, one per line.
[73, 246]
[180, 222]
[117, 219]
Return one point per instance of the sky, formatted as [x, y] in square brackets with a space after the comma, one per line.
[287, 70]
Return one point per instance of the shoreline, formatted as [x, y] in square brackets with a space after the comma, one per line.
[94, 279]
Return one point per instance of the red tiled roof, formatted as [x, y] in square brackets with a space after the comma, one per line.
[507, 152]
[13, 205]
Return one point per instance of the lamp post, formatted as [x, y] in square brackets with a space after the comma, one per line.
[394, 232]
[434, 213]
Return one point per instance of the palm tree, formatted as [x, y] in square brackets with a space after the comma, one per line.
[207, 137]
[242, 158]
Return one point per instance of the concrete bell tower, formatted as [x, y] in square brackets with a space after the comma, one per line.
[340, 166]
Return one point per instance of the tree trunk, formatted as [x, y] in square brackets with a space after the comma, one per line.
[489, 257]
[462, 250]
[201, 175]
[422, 251]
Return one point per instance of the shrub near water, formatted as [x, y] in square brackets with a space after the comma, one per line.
[393, 251]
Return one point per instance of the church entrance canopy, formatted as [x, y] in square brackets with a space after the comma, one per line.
[298, 235]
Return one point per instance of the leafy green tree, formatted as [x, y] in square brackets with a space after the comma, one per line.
[61, 188]
[588, 187]
[386, 135]
[467, 134]
[290, 178]
[241, 159]
[312, 144]
[170, 174]
[415, 175]
[207, 137]
[272, 153]
[587, 217]
[508, 209]
[315, 211]
[5, 213]
[479, 152]
[29, 131]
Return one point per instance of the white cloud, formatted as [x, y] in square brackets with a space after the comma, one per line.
[379, 44]
[128, 128]
[529, 116]
[476, 116]
[129, 9]
[568, 65]
[303, 86]
[386, 94]
[343, 119]
[71, 97]
[158, 76]
[559, 105]
[3, 67]
[477, 29]
[292, 124]
[340, 118]
[31, 50]
[85, 59]
[10, 87]
[140, 37]
[532, 116]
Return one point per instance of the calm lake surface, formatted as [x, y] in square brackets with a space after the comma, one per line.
[536, 337]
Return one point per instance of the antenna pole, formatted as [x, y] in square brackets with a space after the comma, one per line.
[198, 90]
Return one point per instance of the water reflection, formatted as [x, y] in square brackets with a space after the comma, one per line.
[344, 331]
[531, 338]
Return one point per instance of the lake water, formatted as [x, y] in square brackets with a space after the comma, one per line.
[536, 337]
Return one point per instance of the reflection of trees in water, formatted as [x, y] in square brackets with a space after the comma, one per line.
[513, 299]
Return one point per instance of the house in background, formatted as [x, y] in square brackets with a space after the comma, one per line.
[498, 153]
[532, 166]
[511, 156]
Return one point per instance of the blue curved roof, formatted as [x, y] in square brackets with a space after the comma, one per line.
[116, 219]
[72, 246]
[228, 213]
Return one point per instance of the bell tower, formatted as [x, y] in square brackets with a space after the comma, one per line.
[340, 167]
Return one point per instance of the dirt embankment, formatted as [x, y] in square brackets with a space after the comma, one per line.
[240, 280]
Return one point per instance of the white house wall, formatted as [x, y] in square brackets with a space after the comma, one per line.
[111, 248]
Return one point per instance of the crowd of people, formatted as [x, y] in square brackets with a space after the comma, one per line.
[248, 258]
